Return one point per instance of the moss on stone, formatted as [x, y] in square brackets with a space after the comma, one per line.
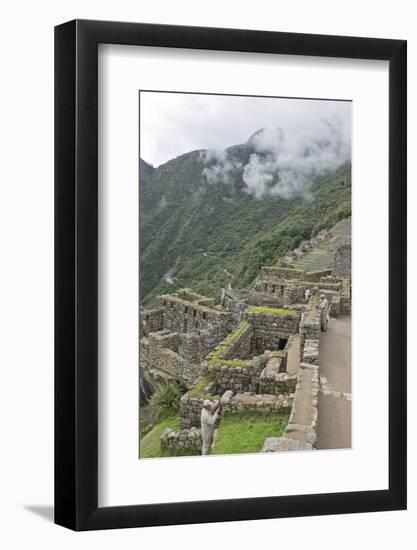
[345, 288]
[199, 389]
[277, 354]
[324, 270]
[217, 358]
[273, 311]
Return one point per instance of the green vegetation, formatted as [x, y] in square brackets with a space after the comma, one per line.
[209, 235]
[246, 432]
[346, 288]
[238, 433]
[150, 444]
[218, 356]
[165, 402]
[199, 389]
[273, 311]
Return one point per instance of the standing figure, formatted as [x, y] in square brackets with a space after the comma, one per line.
[324, 312]
[209, 414]
[307, 294]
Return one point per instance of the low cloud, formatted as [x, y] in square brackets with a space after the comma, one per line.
[285, 161]
[219, 166]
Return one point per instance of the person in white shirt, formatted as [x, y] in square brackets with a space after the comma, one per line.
[209, 414]
[324, 310]
[307, 294]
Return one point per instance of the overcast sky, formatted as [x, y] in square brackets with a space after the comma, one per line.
[173, 124]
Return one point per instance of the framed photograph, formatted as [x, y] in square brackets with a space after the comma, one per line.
[230, 252]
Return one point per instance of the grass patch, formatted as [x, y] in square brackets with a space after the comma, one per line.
[150, 444]
[198, 390]
[246, 433]
[218, 356]
[273, 311]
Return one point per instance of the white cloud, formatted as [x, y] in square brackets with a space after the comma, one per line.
[287, 161]
[175, 123]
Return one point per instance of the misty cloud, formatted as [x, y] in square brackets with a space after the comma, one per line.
[219, 166]
[286, 161]
[172, 123]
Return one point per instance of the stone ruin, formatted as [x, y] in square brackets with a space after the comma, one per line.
[258, 350]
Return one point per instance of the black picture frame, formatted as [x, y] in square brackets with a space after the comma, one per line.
[76, 272]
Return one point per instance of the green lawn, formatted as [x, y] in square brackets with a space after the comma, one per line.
[150, 444]
[238, 433]
[246, 433]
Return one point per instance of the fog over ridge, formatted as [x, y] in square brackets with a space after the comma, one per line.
[284, 161]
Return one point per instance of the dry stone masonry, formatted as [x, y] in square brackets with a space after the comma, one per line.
[240, 351]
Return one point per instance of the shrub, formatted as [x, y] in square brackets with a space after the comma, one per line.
[165, 402]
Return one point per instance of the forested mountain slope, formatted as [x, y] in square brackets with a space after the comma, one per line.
[205, 222]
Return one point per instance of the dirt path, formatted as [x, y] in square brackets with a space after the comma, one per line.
[334, 410]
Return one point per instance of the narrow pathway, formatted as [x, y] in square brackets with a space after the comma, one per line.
[300, 424]
[293, 359]
[334, 406]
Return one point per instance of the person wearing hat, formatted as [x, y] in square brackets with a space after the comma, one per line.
[324, 313]
[209, 414]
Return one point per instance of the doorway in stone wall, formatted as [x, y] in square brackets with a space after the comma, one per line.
[282, 343]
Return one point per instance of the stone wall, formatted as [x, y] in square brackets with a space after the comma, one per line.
[272, 381]
[191, 296]
[311, 352]
[335, 306]
[192, 404]
[184, 316]
[345, 299]
[315, 276]
[151, 320]
[305, 432]
[281, 273]
[237, 301]
[292, 292]
[159, 351]
[271, 329]
[342, 261]
[310, 325]
[264, 403]
[188, 440]
[239, 378]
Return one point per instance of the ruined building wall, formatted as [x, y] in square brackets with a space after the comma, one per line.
[180, 315]
[159, 351]
[316, 276]
[269, 329]
[281, 273]
[151, 320]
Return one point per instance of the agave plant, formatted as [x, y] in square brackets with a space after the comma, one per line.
[165, 402]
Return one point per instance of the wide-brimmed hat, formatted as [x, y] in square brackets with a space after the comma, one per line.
[207, 403]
